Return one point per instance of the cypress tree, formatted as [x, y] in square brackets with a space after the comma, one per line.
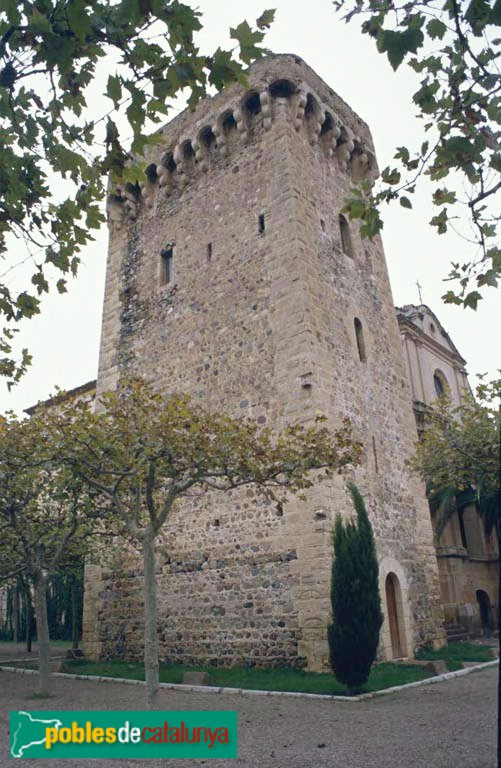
[356, 604]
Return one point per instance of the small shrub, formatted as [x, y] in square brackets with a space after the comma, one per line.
[356, 605]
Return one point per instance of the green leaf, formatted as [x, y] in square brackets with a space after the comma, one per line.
[405, 202]
[402, 154]
[225, 69]
[477, 15]
[496, 162]
[391, 176]
[436, 29]
[10, 8]
[488, 278]
[442, 196]
[398, 44]
[451, 298]
[182, 21]
[471, 299]
[266, 19]
[78, 18]
[247, 40]
[425, 97]
[114, 89]
[495, 17]
[27, 305]
[39, 23]
[40, 282]
[440, 222]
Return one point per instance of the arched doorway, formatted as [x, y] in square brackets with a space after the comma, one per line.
[484, 605]
[394, 609]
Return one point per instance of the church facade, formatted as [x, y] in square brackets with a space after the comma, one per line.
[234, 276]
[467, 557]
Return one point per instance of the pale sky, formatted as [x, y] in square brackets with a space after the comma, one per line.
[64, 339]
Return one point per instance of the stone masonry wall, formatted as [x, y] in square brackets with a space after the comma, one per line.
[258, 319]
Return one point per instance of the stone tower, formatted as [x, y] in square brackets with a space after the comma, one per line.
[234, 277]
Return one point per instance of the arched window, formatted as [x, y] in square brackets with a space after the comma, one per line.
[440, 383]
[394, 608]
[344, 229]
[485, 610]
[359, 333]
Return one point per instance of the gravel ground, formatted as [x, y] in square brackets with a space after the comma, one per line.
[445, 725]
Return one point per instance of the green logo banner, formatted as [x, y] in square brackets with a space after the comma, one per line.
[122, 734]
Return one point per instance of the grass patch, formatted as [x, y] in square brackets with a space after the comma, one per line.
[382, 676]
[455, 653]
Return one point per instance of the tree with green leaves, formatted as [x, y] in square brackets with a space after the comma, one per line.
[46, 515]
[144, 453]
[353, 635]
[54, 54]
[452, 47]
[460, 451]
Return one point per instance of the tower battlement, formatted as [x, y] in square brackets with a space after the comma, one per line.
[281, 86]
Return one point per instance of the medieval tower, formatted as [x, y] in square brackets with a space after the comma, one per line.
[234, 277]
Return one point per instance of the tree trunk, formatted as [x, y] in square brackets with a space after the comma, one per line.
[29, 623]
[15, 612]
[150, 620]
[28, 608]
[40, 584]
[74, 614]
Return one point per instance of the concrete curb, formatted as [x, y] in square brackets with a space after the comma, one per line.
[250, 692]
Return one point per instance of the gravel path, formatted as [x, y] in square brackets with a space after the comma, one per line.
[445, 725]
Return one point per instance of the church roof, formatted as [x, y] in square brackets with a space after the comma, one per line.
[417, 315]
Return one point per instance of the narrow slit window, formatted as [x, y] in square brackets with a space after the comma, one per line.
[166, 258]
[344, 229]
[261, 224]
[359, 333]
[209, 251]
[462, 529]
[374, 451]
